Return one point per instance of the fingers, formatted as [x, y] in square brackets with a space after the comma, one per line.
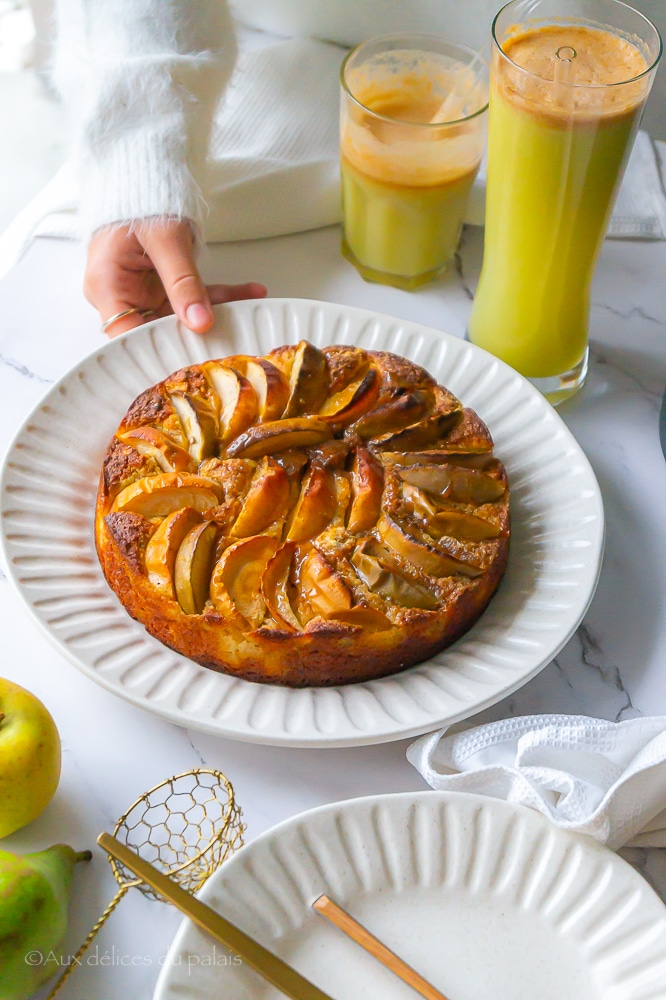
[119, 277]
[170, 247]
[232, 293]
[217, 294]
[101, 284]
[151, 266]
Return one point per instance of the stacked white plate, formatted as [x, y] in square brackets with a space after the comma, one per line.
[485, 899]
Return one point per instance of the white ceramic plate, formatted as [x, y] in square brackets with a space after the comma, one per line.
[47, 500]
[486, 899]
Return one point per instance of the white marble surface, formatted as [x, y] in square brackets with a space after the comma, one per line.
[613, 667]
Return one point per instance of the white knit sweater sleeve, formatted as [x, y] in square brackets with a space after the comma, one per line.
[142, 79]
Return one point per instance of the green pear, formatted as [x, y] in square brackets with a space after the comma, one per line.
[34, 893]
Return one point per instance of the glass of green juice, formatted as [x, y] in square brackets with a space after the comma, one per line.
[412, 134]
[569, 80]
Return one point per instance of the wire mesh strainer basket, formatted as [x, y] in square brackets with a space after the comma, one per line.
[186, 826]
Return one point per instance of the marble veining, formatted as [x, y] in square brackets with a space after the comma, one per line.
[592, 656]
[23, 370]
[613, 667]
[629, 380]
[634, 311]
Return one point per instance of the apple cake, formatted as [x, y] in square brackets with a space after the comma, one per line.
[311, 517]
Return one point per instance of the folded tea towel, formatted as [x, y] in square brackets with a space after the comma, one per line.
[273, 165]
[605, 779]
[640, 209]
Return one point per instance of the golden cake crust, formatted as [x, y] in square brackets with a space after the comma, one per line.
[311, 518]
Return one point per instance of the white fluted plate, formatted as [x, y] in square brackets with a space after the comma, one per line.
[47, 498]
[487, 899]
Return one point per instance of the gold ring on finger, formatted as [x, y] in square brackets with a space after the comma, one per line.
[145, 313]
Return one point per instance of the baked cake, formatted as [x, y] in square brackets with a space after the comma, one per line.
[312, 517]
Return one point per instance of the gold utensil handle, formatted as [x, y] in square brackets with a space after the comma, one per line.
[268, 965]
[92, 934]
[357, 932]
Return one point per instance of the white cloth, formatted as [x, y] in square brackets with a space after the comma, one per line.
[605, 779]
[640, 209]
[274, 158]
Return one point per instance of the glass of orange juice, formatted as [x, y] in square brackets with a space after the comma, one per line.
[569, 80]
[412, 134]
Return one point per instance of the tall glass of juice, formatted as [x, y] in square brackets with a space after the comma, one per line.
[569, 79]
[412, 134]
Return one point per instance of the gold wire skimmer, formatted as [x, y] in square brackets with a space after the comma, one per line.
[186, 826]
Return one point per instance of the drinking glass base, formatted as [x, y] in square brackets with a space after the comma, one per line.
[557, 388]
[407, 282]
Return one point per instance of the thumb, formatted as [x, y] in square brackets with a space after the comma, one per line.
[170, 247]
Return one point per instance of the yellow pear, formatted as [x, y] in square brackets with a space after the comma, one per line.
[30, 757]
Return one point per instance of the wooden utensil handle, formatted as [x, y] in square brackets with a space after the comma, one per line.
[351, 927]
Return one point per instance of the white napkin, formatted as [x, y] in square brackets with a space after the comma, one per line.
[605, 779]
[640, 209]
[274, 163]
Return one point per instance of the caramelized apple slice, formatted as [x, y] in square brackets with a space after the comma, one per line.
[198, 422]
[457, 484]
[322, 587]
[469, 435]
[418, 503]
[155, 444]
[163, 545]
[402, 411]
[269, 383]
[342, 497]
[365, 617]
[474, 486]
[389, 584]
[158, 496]
[193, 565]
[419, 552]
[279, 435]
[332, 453]
[265, 502]
[237, 400]
[481, 460]
[275, 587]
[308, 380]
[458, 524]
[435, 479]
[315, 507]
[367, 486]
[270, 386]
[346, 363]
[351, 402]
[420, 435]
[235, 585]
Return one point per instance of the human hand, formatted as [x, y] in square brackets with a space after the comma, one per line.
[150, 267]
